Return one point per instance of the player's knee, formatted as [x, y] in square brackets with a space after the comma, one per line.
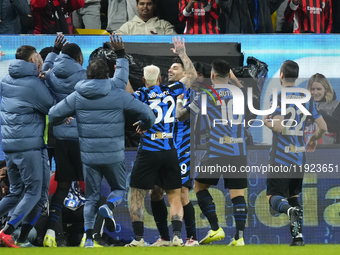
[156, 194]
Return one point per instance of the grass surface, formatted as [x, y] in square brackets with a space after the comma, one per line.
[312, 249]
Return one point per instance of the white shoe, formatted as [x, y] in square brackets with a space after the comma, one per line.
[238, 242]
[191, 242]
[177, 241]
[135, 243]
[160, 242]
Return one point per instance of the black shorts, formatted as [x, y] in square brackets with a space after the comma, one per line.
[68, 161]
[184, 165]
[236, 180]
[160, 166]
[284, 184]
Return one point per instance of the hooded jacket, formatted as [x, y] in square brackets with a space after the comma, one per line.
[100, 108]
[139, 27]
[62, 79]
[25, 102]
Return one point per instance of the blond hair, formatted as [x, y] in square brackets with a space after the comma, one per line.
[151, 74]
[320, 78]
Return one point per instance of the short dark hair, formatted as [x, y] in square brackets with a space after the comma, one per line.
[200, 68]
[154, 1]
[24, 52]
[290, 70]
[73, 50]
[106, 53]
[177, 60]
[44, 52]
[221, 68]
[97, 69]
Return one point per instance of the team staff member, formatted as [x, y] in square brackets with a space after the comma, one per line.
[25, 102]
[100, 106]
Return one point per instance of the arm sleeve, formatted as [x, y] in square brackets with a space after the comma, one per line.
[290, 10]
[333, 122]
[278, 108]
[49, 61]
[123, 30]
[183, 14]
[38, 3]
[328, 17]
[213, 10]
[77, 4]
[139, 95]
[138, 110]
[62, 110]
[42, 98]
[121, 75]
[22, 7]
[169, 28]
[176, 89]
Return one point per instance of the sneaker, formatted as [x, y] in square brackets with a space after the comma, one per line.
[191, 242]
[295, 218]
[238, 242]
[106, 212]
[7, 240]
[135, 243]
[49, 241]
[160, 242]
[297, 242]
[24, 245]
[212, 236]
[83, 241]
[89, 243]
[176, 242]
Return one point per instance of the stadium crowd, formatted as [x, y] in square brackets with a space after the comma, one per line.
[169, 16]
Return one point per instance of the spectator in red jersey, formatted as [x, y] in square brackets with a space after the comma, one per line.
[200, 16]
[310, 16]
[45, 19]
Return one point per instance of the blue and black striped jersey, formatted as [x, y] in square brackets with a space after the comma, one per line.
[162, 100]
[288, 147]
[225, 130]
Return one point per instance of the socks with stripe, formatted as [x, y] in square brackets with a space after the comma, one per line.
[280, 204]
[240, 215]
[208, 208]
[189, 220]
[160, 215]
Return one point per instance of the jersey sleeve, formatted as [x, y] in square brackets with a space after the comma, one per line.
[176, 88]
[314, 111]
[140, 95]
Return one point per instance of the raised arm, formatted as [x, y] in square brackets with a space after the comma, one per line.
[121, 76]
[179, 49]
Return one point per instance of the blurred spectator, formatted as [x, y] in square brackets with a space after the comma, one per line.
[10, 11]
[132, 9]
[27, 21]
[247, 17]
[146, 22]
[168, 10]
[116, 15]
[45, 19]
[88, 17]
[310, 16]
[281, 25]
[336, 16]
[327, 105]
[200, 16]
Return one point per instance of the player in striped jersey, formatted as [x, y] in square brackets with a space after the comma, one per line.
[310, 16]
[181, 130]
[226, 146]
[289, 149]
[157, 156]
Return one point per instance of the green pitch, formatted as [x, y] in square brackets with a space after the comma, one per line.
[206, 250]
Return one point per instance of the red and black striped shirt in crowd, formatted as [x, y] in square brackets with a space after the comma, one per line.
[200, 20]
[310, 16]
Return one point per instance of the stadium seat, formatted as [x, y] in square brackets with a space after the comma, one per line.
[80, 31]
